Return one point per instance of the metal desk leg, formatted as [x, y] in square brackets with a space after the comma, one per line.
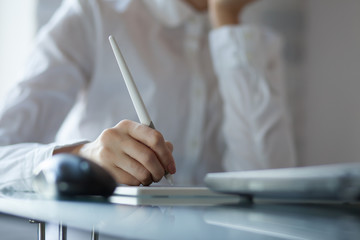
[41, 229]
[62, 232]
[94, 235]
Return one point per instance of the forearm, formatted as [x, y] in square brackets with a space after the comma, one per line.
[71, 149]
[18, 162]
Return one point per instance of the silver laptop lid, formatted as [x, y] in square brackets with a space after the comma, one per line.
[326, 182]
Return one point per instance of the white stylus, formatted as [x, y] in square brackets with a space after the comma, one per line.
[134, 93]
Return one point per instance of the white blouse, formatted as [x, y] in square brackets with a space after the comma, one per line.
[217, 95]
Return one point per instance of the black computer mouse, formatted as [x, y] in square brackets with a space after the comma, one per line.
[67, 175]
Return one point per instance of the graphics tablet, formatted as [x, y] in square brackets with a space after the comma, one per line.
[159, 195]
[326, 182]
[159, 191]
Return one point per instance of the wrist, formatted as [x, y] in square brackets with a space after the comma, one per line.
[73, 149]
[223, 13]
[220, 16]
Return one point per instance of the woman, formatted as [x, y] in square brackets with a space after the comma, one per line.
[212, 85]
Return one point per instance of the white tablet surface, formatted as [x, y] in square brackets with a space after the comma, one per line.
[159, 191]
[171, 196]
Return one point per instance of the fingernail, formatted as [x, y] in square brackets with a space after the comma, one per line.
[172, 168]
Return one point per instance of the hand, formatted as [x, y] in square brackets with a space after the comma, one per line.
[226, 12]
[133, 153]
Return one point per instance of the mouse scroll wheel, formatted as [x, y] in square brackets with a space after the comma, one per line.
[84, 166]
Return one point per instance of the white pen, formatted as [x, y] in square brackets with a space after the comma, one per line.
[134, 93]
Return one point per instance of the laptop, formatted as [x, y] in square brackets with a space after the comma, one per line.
[325, 182]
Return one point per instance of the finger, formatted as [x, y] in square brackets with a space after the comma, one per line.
[141, 162]
[170, 146]
[125, 152]
[121, 176]
[134, 168]
[156, 142]
[122, 143]
[107, 159]
[151, 138]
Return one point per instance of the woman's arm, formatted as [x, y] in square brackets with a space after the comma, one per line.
[248, 63]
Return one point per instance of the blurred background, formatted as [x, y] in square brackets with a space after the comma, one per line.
[322, 55]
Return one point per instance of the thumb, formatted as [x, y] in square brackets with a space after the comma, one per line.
[169, 146]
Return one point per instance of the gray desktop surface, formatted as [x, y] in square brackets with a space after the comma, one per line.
[260, 220]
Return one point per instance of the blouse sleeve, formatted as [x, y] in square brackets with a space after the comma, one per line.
[58, 69]
[256, 126]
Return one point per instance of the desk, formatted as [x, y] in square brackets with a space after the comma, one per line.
[264, 220]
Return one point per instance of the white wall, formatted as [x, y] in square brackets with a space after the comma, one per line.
[332, 102]
[322, 54]
[17, 28]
